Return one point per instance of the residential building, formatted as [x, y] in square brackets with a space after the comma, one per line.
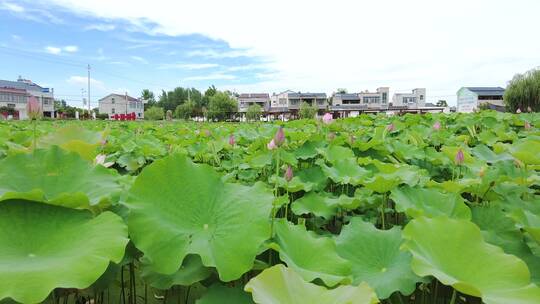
[414, 100]
[470, 98]
[113, 104]
[363, 100]
[249, 99]
[14, 94]
[292, 100]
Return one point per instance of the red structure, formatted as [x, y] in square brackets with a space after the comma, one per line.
[122, 117]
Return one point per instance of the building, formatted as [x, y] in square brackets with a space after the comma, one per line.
[414, 100]
[292, 100]
[249, 99]
[113, 104]
[470, 98]
[362, 100]
[15, 94]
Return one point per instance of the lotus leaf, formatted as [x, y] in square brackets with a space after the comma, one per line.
[191, 271]
[219, 294]
[416, 202]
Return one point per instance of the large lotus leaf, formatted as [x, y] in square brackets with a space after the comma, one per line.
[57, 177]
[43, 247]
[323, 205]
[500, 230]
[294, 185]
[486, 154]
[527, 151]
[190, 210]
[279, 285]
[74, 139]
[529, 221]
[309, 255]
[376, 258]
[219, 294]
[315, 176]
[308, 150]
[345, 171]
[191, 271]
[416, 202]
[455, 253]
[335, 153]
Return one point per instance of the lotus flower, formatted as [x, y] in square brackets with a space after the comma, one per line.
[231, 140]
[279, 138]
[271, 145]
[33, 108]
[390, 127]
[460, 157]
[327, 118]
[518, 111]
[437, 126]
[100, 160]
[527, 125]
[288, 173]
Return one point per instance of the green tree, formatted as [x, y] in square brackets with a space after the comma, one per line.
[154, 113]
[185, 111]
[221, 106]
[254, 112]
[442, 103]
[148, 96]
[523, 91]
[307, 111]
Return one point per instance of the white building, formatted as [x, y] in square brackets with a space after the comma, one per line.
[414, 100]
[363, 100]
[14, 94]
[121, 104]
[292, 100]
[470, 98]
[248, 99]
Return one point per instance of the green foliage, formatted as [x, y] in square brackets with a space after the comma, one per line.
[148, 97]
[442, 103]
[221, 106]
[254, 112]
[185, 111]
[523, 91]
[154, 113]
[306, 111]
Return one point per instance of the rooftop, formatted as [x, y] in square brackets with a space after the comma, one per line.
[254, 95]
[487, 91]
[21, 84]
[120, 96]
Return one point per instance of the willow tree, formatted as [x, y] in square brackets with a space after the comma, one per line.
[523, 91]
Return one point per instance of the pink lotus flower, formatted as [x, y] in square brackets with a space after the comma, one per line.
[279, 138]
[460, 157]
[327, 118]
[518, 111]
[390, 127]
[271, 145]
[231, 140]
[288, 173]
[437, 126]
[33, 108]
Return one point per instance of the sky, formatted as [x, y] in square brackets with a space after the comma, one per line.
[267, 46]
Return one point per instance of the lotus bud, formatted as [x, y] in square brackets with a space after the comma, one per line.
[460, 157]
[482, 172]
[518, 163]
[518, 111]
[231, 140]
[331, 136]
[527, 125]
[271, 145]
[390, 127]
[288, 173]
[352, 139]
[33, 108]
[327, 118]
[279, 138]
[437, 126]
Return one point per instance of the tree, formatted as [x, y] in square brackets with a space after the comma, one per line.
[221, 106]
[307, 111]
[254, 112]
[148, 97]
[154, 113]
[184, 111]
[523, 91]
[341, 91]
[442, 103]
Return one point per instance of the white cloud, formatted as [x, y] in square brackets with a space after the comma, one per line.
[139, 59]
[12, 7]
[71, 48]
[82, 82]
[103, 27]
[188, 66]
[213, 76]
[53, 50]
[323, 45]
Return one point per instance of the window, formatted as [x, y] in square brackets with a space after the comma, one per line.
[421, 97]
[384, 97]
[112, 110]
[11, 105]
[139, 114]
[112, 101]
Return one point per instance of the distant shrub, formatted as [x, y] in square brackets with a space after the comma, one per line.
[154, 113]
[307, 111]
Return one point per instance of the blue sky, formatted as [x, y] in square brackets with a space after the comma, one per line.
[267, 46]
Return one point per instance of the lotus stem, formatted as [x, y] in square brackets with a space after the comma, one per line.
[35, 135]
[453, 300]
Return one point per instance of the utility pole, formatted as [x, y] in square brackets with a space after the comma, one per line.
[89, 89]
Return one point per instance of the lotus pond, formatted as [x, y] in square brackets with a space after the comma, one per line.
[411, 209]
